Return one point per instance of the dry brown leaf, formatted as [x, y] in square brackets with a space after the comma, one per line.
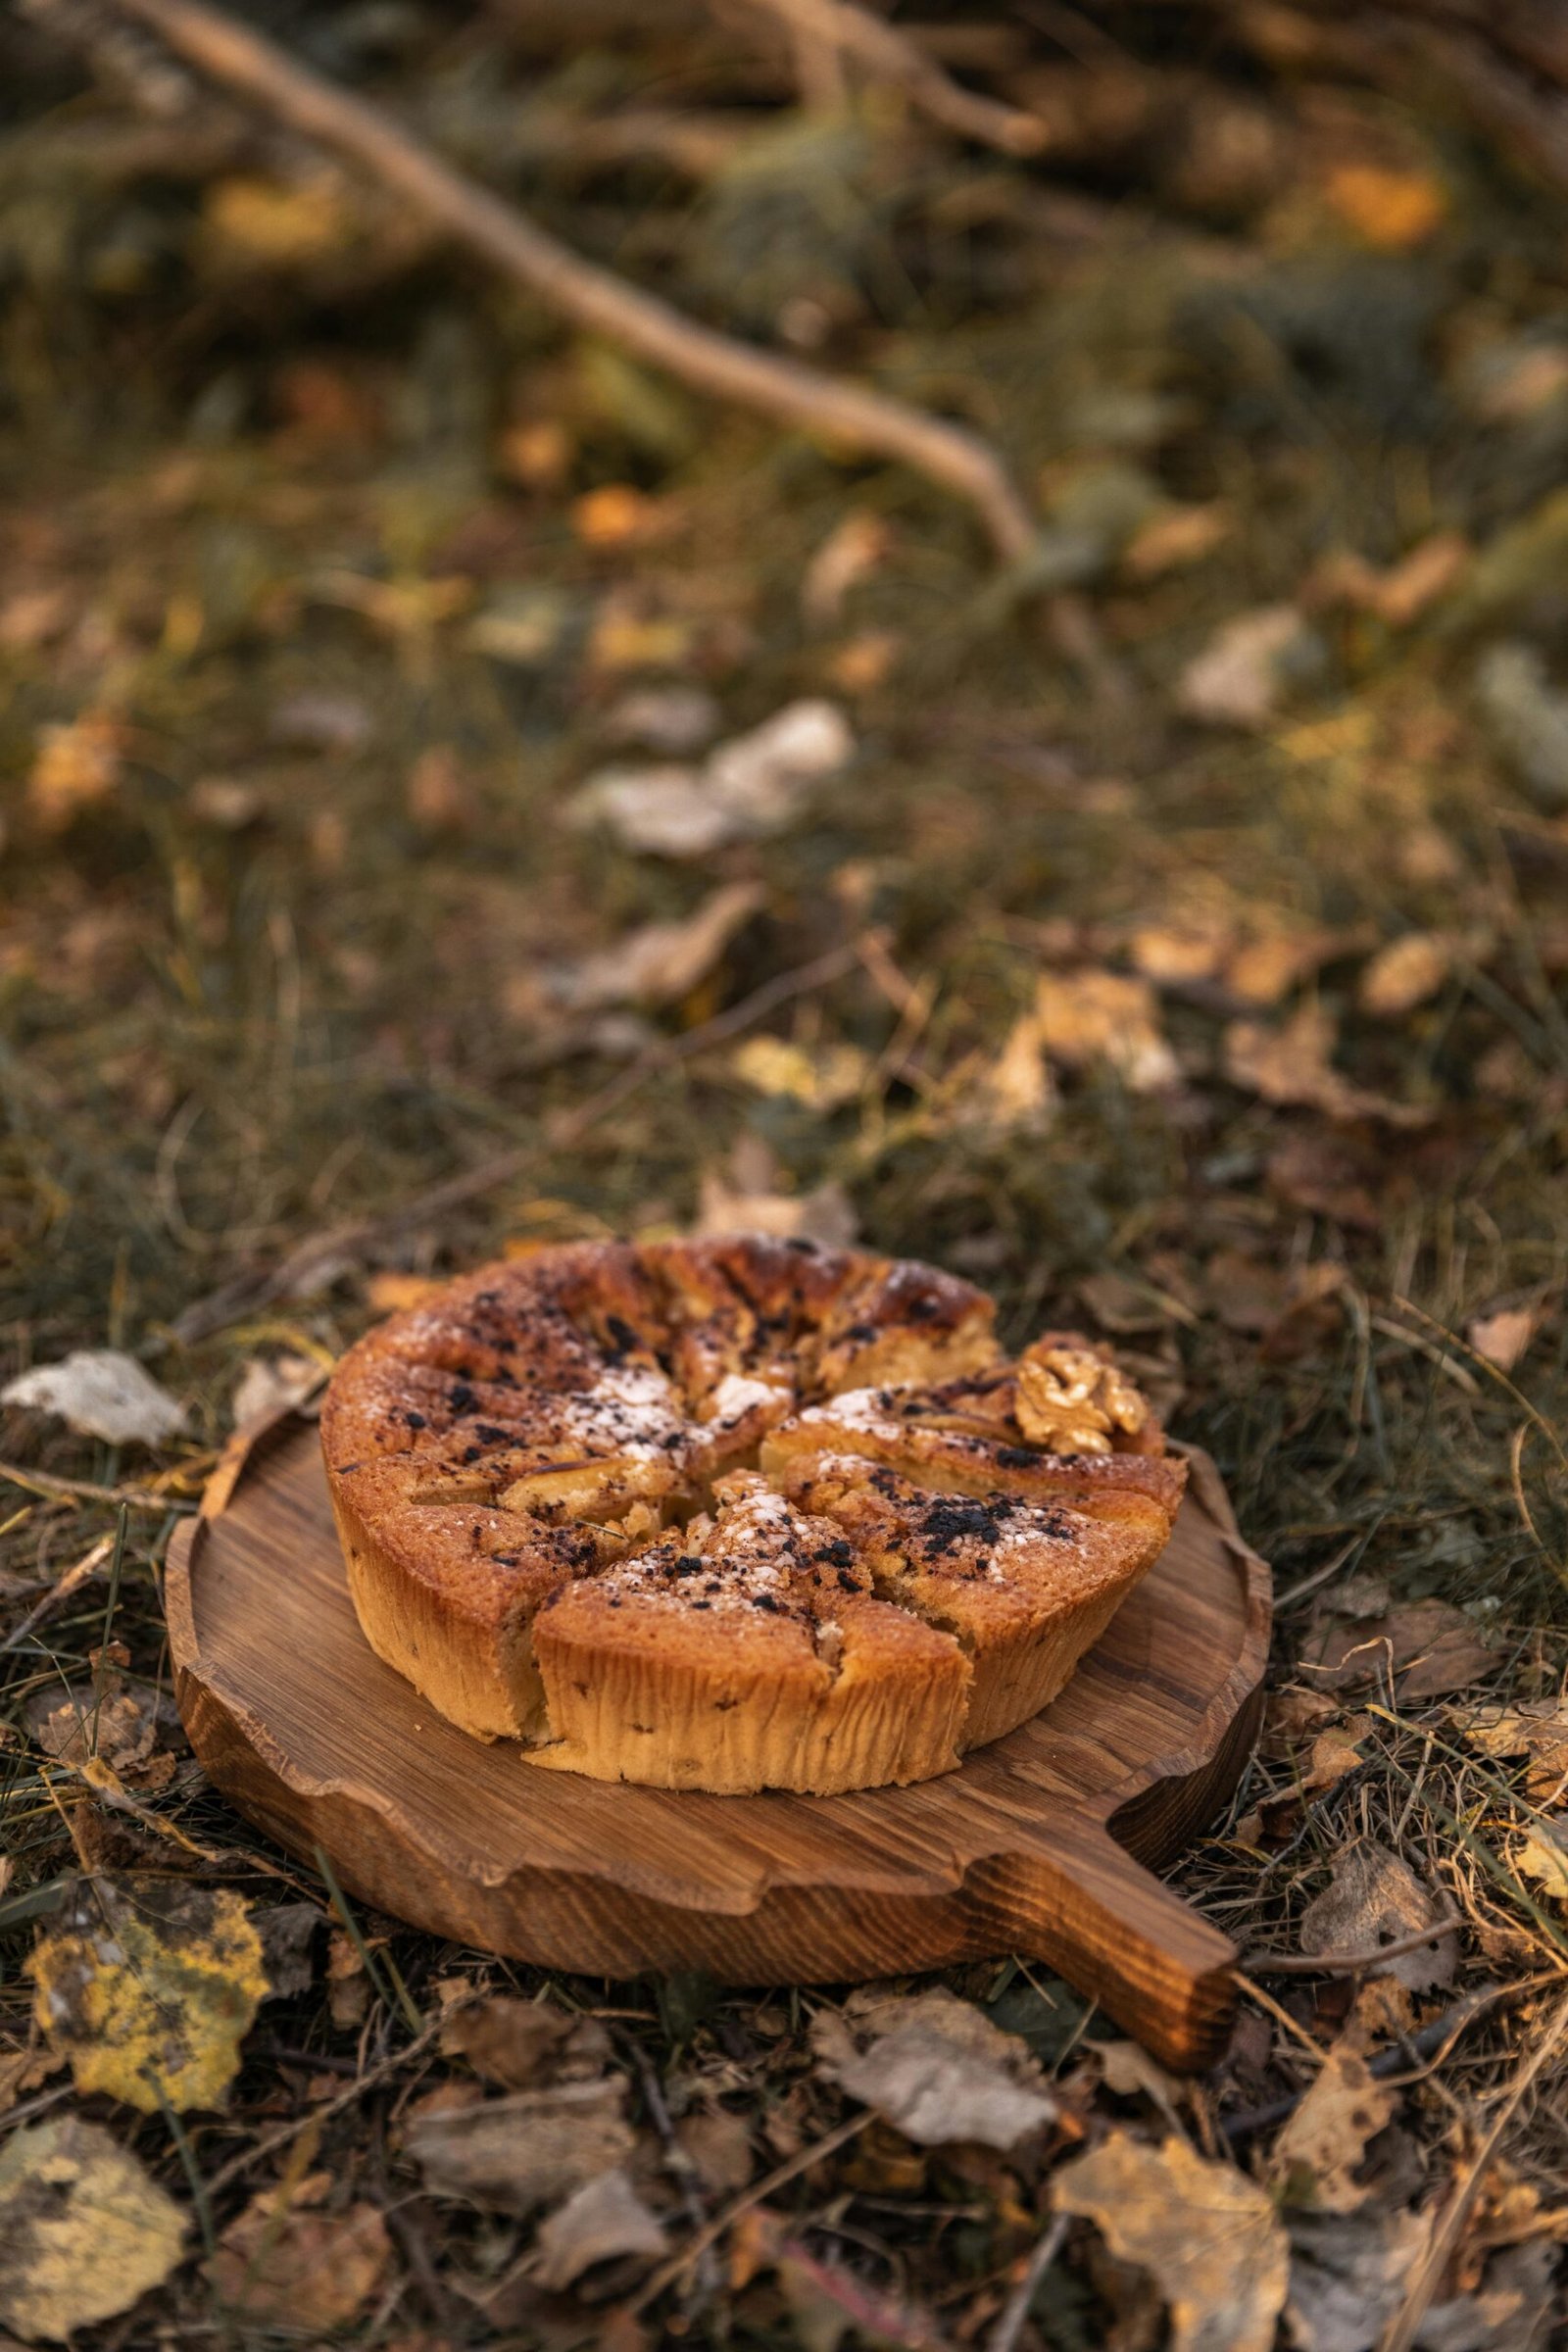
[1405, 973]
[1504, 1335]
[297, 2268]
[85, 2229]
[603, 2220]
[1174, 538]
[829, 2304]
[1015, 1093]
[1174, 955]
[1209, 2238]
[149, 1986]
[1289, 1065]
[101, 1392]
[74, 767]
[719, 2145]
[525, 2150]
[754, 785]
[116, 1725]
[851, 549]
[1537, 1730]
[1389, 208]
[660, 962]
[825, 1214]
[1542, 1859]
[274, 221]
[1375, 1898]
[1430, 1648]
[1321, 2146]
[512, 2041]
[1093, 1016]
[935, 2068]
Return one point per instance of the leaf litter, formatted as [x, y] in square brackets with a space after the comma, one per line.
[1198, 973]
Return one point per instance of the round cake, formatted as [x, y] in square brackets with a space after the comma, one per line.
[736, 1514]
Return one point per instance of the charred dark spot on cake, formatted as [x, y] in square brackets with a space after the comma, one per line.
[1016, 1458]
[802, 1248]
[723, 1707]
[623, 1338]
[696, 1604]
[846, 1582]
[687, 1565]
[345, 1469]
[836, 1554]
[948, 1523]
[415, 1420]
[460, 1398]
[766, 1601]
[489, 1434]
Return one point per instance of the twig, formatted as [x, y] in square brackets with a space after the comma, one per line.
[241, 2164]
[1345, 1963]
[668, 2271]
[1433, 2042]
[72, 1582]
[852, 32]
[83, 1490]
[246, 1290]
[593, 298]
[1400, 2334]
[1015, 2310]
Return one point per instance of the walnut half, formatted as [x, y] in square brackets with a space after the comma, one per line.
[1070, 1401]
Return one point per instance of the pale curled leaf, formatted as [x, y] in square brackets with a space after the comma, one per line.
[935, 2068]
[85, 2229]
[148, 1986]
[1089, 1016]
[1348, 2275]
[1208, 2236]
[603, 2220]
[660, 962]
[100, 1392]
[1321, 2146]
[523, 2151]
[1503, 1337]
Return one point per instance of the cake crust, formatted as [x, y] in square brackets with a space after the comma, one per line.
[735, 1514]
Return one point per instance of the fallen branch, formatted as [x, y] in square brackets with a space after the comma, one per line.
[593, 298]
[1346, 1964]
[839, 25]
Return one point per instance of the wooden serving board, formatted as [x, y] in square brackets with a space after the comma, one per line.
[1029, 1847]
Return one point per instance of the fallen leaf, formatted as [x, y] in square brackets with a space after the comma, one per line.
[604, 2221]
[277, 223]
[1322, 1174]
[511, 2041]
[719, 2145]
[660, 963]
[935, 2068]
[1348, 2277]
[321, 721]
[1503, 1336]
[1093, 1016]
[1539, 1730]
[101, 1394]
[1375, 1898]
[1405, 973]
[74, 767]
[116, 1725]
[269, 1384]
[1173, 957]
[821, 1080]
[1015, 1093]
[1321, 2148]
[865, 662]
[1289, 1065]
[672, 719]
[525, 2150]
[1388, 207]
[825, 1214]
[149, 1986]
[299, 2269]
[851, 549]
[827, 2303]
[1526, 717]
[288, 1941]
[1208, 2236]
[1249, 666]
[1429, 1647]
[1264, 968]
[755, 784]
[1542, 1858]
[389, 1293]
[85, 2229]
[1174, 539]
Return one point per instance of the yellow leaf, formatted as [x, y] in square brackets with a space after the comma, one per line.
[85, 2230]
[1091, 1015]
[272, 222]
[74, 767]
[1405, 973]
[148, 1989]
[1320, 2149]
[832, 1075]
[1209, 2238]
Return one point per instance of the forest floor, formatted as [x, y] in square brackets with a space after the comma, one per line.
[1172, 940]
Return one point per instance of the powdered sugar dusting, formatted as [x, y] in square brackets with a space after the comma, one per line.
[630, 1409]
[736, 1395]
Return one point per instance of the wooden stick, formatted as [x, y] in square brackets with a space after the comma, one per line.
[852, 32]
[255, 68]
[1346, 1964]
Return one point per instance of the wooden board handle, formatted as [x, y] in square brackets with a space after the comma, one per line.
[1081, 1904]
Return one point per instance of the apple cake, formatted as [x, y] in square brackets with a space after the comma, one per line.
[736, 1514]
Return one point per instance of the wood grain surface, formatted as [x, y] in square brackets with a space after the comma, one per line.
[1029, 1847]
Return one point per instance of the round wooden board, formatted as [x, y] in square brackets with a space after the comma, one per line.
[1028, 1847]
